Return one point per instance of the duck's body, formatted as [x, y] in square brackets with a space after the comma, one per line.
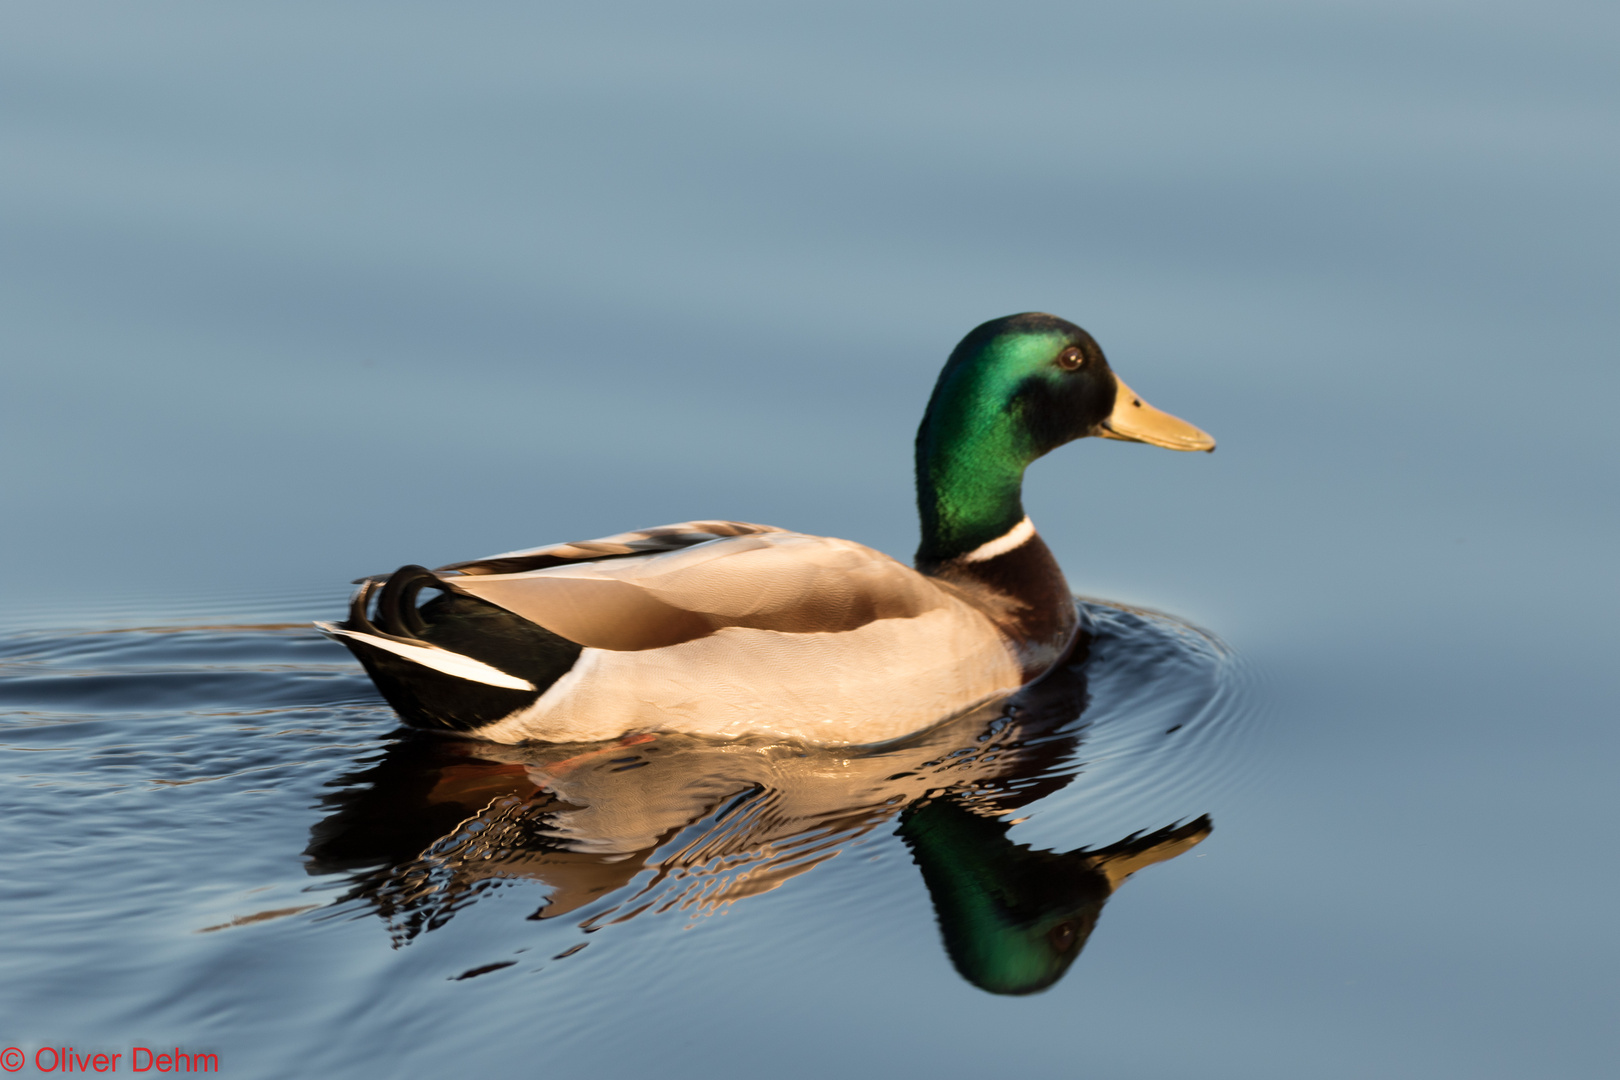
[726, 629]
[716, 628]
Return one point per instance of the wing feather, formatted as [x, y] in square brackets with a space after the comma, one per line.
[764, 580]
[640, 542]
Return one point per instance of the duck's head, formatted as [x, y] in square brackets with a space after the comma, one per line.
[1016, 388]
[1046, 381]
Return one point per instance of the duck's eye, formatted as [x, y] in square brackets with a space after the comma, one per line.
[1062, 936]
[1070, 359]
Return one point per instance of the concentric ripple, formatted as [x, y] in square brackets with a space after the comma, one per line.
[228, 777]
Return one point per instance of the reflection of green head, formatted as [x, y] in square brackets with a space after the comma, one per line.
[1014, 919]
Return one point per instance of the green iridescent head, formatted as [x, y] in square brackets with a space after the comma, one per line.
[1014, 389]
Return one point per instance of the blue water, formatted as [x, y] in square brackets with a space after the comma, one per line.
[245, 849]
[297, 293]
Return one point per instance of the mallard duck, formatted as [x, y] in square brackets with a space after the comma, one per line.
[725, 629]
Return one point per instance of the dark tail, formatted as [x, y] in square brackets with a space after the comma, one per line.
[456, 662]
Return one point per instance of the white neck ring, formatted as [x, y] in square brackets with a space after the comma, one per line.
[1014, 537]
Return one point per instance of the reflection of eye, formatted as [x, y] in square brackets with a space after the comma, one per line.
[1061, 936]
[1069, 359]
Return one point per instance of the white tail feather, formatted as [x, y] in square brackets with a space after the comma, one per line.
[462, 667]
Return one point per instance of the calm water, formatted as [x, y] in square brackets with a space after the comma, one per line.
[294, 294]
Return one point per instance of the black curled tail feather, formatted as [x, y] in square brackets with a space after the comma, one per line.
[396, 602]
[458, 623]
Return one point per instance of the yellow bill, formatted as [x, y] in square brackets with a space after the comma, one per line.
[1134, 420]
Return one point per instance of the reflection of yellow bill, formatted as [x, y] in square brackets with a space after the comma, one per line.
[1134, 420]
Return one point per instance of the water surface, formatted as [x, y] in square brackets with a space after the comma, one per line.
[228, 820]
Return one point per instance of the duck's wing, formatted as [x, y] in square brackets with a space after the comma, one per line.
[470, 640]
[642, 542]
[767, 579]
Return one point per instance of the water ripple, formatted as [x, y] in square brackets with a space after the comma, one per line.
[235, 777]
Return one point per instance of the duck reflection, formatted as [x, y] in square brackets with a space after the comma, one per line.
[661, 823]
[1014, 919]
